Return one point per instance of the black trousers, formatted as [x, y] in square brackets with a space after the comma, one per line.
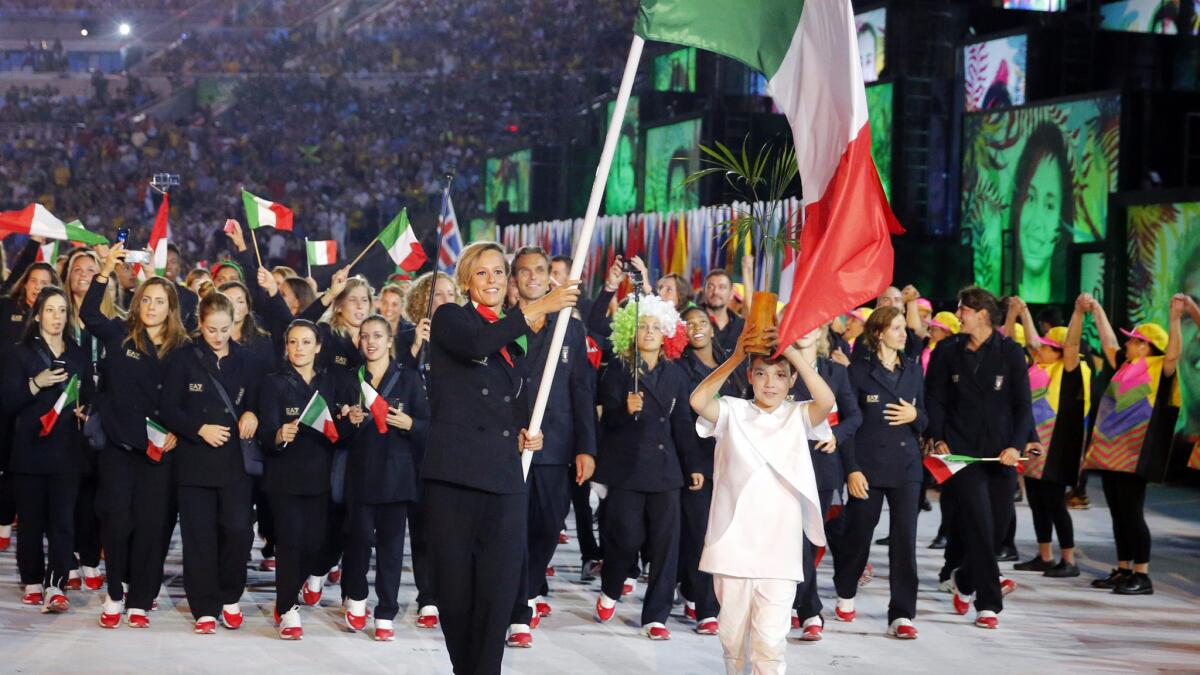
[862, 515]
[418, 543]
[264, 519]
[46, 506]
[647, 522]
[983, 495]
[8, 502]
[1048, 504]
[335, 537]
[952, 555]
[589, 547]
[476, 545]
[549, 501]
[218, 531]
[299, 541]
[808, 602]
[697, 586]
[1126, 497]
[378, 526]
[133, 501]
[87, 522]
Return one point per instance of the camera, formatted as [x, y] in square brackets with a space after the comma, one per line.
[635, 275]
[138, 257]
[164, 180]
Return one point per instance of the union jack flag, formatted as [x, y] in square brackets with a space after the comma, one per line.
[451, 239]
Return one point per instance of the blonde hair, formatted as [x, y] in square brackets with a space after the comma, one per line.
[467, 259]
[417, 299]
[333, 315]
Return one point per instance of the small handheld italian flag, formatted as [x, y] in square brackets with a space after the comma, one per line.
[69, 396]
[316, 415]
[373, 401]
[156, 440]
[262, 213]
[321, 252]
[943, 467]
[402, 244]
[48, 253]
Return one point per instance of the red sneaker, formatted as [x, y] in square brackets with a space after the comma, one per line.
[1007, 586]
[602, 614]
[845, 612]
[267, 565]
[903, 629]
[33, 595]
[519, 638]
[867, 575]
[356, 615]
[987, 619]
[429, 621]
[961, 604]
[94, 583]
[310, 597]
[542, 609]
[289, 626]
[110, 620]
[534, 621]
[550, 571]
[5, 542]
[74, 584]
[813, 632]
[708, 627]
[335, 576]
[205, 625]
[563, 538]
[656, 632]
[138, 620]
[628, 587]
[689, 611]
[56, 602]
[795, 621]
[384, 631]
[232, 619]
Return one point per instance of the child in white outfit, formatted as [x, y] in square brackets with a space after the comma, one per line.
[764, 495]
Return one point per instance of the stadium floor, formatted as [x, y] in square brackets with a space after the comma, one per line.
[1056, 625]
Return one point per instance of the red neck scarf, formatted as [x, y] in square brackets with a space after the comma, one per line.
[492, 317]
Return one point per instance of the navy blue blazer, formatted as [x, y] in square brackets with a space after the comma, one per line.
[569, 425]
[479, 403]
[982, 411]
[888, 456]
[652, 452]
[830, 466]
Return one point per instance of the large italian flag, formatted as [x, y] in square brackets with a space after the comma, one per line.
[262, 213]
[65, 399]
[35, 221]
[808, 51]
[401, 243]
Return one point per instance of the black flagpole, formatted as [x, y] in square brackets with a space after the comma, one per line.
[423, 354]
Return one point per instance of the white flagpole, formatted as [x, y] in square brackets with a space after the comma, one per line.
[584, 240]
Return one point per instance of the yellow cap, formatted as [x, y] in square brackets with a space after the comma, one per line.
[1018, 335]
[862, 313]
[946, 321]
[1149, 332]
[1056, 337]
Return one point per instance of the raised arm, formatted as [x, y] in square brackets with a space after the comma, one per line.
[704, 397]
[1074, 335]
[107, 329]
[1108, 338]
[1032, 340]
[1174, 334]
[912, 312]
[822, 395]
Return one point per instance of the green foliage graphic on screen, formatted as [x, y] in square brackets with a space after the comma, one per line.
[879, 110]
[672, 152]
[1164, 259]
[675, 71]
[620, 193]
[508, 181]
[1034, 180]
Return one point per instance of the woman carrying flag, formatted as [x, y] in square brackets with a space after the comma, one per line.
[1060, 383]
[134, 468]
[381, 478]
[43, 383]
[299, 432]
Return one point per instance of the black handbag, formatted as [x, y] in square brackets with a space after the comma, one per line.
[252, 454]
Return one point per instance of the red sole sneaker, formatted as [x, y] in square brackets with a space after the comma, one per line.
[311, 598]
[138, 621]
[356, 622]
[74, 584]
[961, 605]
[990, 622]
[232, 621]
[905, 633]
[427, 622]
[205, 628]
[603, 615]
[848, 617]
[32, 599]
[291, 634]
[709, 628]
[110, 620]
[57, 604]
[543, 609]
[94, 583]
[659, 634]
[813, 633]
[520, 640]
[384, 635]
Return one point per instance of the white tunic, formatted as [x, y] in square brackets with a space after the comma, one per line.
[764, 490]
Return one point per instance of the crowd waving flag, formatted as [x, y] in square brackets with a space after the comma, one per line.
[262, 213]
[35, 221]
[808, 51]
[401, 243]
[321, 252]
[48, 253]
[69, 396]
[450, 237]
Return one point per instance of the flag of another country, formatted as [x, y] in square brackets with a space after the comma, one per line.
[316, 415]
[808, 50]
[65, 399]
[35, 221]
[451, 244]
[156, 440]
[373, 401]
[321, 252]
[262, 213]
[401, 243]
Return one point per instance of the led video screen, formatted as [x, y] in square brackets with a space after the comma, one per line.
[621, 190]
[879, 111]
[507, 180]
[675, 71]
[994, 73]
[1164, 17]
[672, 153]
[1035, 180]
[872, 42]
[1037, 5]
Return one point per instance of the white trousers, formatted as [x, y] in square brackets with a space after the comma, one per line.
[756, 615]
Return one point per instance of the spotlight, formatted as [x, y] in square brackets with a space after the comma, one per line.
[124, 29]
[83, 32]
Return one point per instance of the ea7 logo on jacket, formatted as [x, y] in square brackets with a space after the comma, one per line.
[16, 318]
[129, 353]
[196, 387]
[872, 398]
[292, 412]
[565, 353]
[999, 382]
[480, 361]
[340, 360]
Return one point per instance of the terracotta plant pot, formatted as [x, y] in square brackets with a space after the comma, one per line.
[762, 315]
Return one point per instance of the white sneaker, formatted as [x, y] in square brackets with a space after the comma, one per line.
[903, 629]
[6, 531]
[946, 586]
[428, 610]
[289, 625]
[385, 630]
[110, 606]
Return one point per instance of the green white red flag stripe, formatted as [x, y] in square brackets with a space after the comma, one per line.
[35, 221]
[316, 415]
[156, 439]
[373, 401]
[65, 399]
[321, 252]
[48, 253]
[160, 236]
[262, 213]
[808, 50]
[401, 243]
[941, 468]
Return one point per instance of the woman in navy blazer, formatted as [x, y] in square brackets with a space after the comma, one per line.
[884, 461]
[475, 494]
